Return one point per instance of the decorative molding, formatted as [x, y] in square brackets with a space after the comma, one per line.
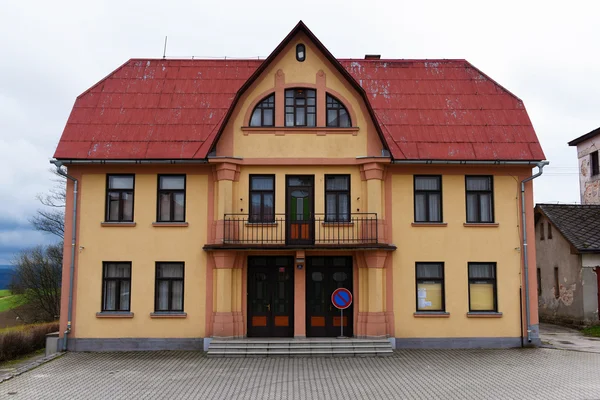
[373, 170]
[227, 171]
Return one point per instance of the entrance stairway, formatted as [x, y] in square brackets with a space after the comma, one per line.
[318, 347]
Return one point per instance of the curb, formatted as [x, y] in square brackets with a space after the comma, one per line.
[31, 366]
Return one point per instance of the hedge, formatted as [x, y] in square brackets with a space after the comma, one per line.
[24, 339]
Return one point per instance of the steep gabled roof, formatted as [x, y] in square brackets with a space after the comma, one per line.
[579, 224]
[176, 109]
[585, 137]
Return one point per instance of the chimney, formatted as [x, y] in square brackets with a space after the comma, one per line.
[372, 56]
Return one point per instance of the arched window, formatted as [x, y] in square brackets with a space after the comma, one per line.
[300, 107]
[337, 115]
[264, 112]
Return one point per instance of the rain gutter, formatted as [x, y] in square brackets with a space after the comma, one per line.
[59, 170]
[127, 161]
[540, 166]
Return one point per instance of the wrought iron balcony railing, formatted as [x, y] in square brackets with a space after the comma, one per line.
[284, 229]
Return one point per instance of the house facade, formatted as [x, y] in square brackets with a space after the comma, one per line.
[568, 261]
[230, 198]
[589, 166]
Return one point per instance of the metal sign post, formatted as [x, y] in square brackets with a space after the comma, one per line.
[341, 298]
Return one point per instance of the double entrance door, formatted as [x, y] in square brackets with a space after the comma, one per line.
[270, 297]
[323, 276]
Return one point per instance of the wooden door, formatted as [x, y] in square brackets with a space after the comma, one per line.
[299, 209]
[270, 297]
[323, 276]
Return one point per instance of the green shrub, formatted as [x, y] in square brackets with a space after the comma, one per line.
[24, 339]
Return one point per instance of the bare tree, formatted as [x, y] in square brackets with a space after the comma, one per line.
[38, 277]
[51, 218]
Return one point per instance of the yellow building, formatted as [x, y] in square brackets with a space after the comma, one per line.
[230, 198]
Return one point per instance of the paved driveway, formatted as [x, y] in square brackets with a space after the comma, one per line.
[421, 374]
[560, 337]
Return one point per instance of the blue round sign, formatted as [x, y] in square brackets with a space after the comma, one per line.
[341, 298]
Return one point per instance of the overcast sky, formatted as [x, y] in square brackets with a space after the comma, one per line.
[545, 52]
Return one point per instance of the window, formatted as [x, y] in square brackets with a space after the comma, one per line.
[119, 198]
[300, 107]
[171, 198]
[541, 231]
[116, 286]
[262, 198]
[594, 165]
[482, 287]
[337, 198]
[169, 287]
[337, 115]
[264, 112]
[539, 282]
[428, 199]
[300, 52]
[480, 202]
[430, 287]
[549, 230]
[556, 283]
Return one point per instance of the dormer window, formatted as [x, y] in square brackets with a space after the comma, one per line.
[300, 107]
[337, 115]
[300, 52]
[264, 112]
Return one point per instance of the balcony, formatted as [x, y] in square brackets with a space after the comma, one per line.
[356, 230]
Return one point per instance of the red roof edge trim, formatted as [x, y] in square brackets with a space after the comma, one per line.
[301, 27]
[493, 81]
[105, 78]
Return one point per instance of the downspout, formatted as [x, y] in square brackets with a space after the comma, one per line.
[541, 166]
[59, 170]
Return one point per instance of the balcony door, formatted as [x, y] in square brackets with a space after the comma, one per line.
[300, 221]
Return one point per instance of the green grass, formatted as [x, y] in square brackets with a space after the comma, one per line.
[592, 331]
[4, 293]
[10, 302]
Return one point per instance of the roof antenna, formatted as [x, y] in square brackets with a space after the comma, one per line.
[165, 50]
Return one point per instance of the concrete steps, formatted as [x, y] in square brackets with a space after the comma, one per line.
[299, 347]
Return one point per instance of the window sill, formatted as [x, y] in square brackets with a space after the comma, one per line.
[332, 223]
[259, 224]
[119, 224]
[484, 314]
[168, 315]
[114, 314]
[481, 224]
[284, 130]
[431, 314]
[429, 224]
[170, 224]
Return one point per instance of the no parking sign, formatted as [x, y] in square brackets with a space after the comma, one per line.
[341, 299]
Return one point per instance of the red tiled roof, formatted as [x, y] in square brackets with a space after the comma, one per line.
[173, 109]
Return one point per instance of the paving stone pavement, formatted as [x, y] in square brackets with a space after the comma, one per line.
[413, 374]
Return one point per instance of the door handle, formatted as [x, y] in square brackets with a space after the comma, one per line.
[269, 307]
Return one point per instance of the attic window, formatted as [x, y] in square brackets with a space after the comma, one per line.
[594, 163]
[300, 107]
[300, 52]
[337, 115]
[264, 112]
